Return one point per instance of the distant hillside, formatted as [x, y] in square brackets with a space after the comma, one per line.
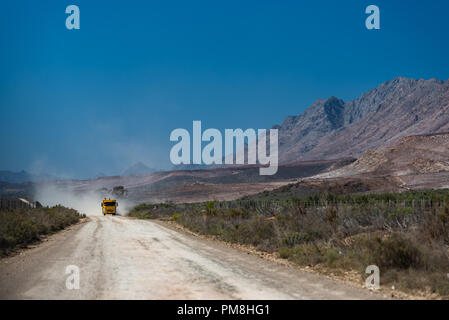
[186, 185]
[23, 176]
[415, 162]
[421, 154]
[16, 190]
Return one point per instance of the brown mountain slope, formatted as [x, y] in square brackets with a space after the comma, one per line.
[332, 129]
[417, 162]
[180, 186]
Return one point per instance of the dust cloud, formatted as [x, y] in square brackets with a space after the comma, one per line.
[87, 202]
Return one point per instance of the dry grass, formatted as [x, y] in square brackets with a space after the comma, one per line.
[19, 228]
[409, 243]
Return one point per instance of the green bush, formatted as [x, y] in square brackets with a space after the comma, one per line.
[332, 256]
[308, 254]
[285, 253]
[394, 252]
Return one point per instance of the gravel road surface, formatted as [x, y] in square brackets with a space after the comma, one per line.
[124, 258]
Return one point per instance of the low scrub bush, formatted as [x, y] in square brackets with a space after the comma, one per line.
[18, 228]
[400, 233]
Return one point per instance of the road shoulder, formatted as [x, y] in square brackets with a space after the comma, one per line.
[350, 278]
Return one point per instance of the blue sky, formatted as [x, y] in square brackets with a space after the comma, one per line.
[99, 99]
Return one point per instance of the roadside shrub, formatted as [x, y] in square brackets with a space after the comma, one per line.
[435, 226]
[331, 215]
[285, 253]
[308, 255]
[394, 252]
[332, 256]
[18, 228]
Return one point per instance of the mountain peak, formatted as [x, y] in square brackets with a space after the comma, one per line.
[331, 129]
[138, 168]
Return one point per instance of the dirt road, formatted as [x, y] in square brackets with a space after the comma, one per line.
[122, 258]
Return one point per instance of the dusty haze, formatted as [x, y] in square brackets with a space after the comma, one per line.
[84, 202]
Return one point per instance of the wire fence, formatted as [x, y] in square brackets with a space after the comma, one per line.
[295, 203]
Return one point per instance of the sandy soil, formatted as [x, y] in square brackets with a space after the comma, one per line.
[123, 258]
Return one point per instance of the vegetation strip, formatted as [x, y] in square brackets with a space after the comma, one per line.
[406, 235]
[19, 228]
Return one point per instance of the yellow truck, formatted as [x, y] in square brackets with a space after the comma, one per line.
[109, 206]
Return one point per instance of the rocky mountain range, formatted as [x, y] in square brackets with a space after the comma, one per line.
[396, 132]
[24, 176]
[332, 128]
